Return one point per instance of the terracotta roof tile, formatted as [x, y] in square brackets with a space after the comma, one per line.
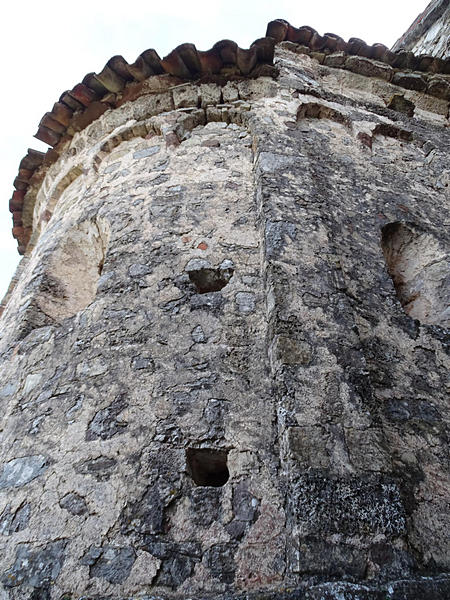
[120, 66]
[83, 94]
[174, 64]
[140, 70]
[189, 55]
[19, 184]
[91, 81]
[210, 61]
[61, 113]
[85, 118]
[70, 101]
[16, 201]
[334, 43]
[51, 123]
[110, 80]
[32, 160]
[302, 35]
[265, 48]
[46, 135]
[279, 31]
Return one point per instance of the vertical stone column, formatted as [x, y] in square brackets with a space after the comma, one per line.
[341, 495]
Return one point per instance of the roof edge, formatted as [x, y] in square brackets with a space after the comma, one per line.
[120, 81]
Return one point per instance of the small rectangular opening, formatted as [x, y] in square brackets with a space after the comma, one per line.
[207, 467]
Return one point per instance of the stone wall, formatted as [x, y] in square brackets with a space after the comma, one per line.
[430, 33]
[212, 382]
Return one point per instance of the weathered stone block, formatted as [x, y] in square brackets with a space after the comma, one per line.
[410, 81]
[210, 94]
[337, 59]
[369, 67]
[185, 95]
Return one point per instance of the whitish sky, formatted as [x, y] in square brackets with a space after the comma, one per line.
[48, 47]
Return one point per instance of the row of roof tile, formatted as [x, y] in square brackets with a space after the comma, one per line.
[86, 101]
[184, 62]
[328, 43]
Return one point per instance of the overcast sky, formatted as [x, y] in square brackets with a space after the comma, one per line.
[48, 46]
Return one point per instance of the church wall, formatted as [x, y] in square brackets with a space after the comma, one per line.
[229, 395]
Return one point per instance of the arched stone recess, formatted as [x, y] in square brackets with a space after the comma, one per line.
[76, 174]
[420, 270]
[31, 268]
[172, 115]
[366, 130]
[175, 126]
[321, 110]
[70, 280]
[48, 198]
[59, 286]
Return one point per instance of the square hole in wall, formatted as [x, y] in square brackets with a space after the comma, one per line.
[207, 467]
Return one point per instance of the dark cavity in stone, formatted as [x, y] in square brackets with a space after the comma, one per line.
[207, 467]
[210, 280]
[207, 278]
